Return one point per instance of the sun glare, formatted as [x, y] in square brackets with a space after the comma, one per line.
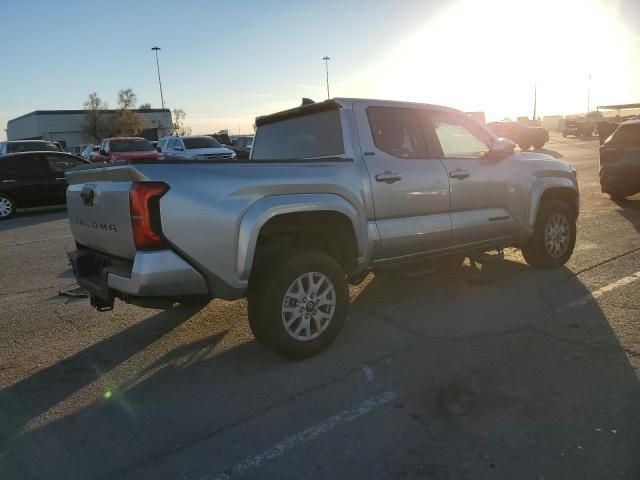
[487, 56]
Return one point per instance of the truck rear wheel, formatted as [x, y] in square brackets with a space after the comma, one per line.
[299, 305]
[554, 236]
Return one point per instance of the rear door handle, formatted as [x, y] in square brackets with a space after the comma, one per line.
[60, 179]
[459, 173]
[388, 177]
[8, 181]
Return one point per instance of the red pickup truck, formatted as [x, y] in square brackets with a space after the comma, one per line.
[126, 148]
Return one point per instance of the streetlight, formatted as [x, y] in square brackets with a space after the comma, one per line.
[588, 93]
[535, 99]
[157, 49]
[326, 68]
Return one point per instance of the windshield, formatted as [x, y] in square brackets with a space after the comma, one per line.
[32, 147]
[200, 142]
[140, 145]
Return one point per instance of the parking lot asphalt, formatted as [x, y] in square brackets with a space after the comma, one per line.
[496, 371]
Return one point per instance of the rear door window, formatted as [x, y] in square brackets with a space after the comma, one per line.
[299, 138]
[22, 165]
[397, 132]
[61, 163]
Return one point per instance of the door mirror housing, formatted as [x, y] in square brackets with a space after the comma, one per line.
[102, 152]
[501, 148]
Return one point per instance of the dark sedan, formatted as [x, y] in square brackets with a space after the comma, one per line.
[34, 179]
[620, 161]
[524, 135]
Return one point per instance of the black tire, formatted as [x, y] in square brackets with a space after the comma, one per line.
[524, 146]
[267, 293]
[8, 206]
[535, 251]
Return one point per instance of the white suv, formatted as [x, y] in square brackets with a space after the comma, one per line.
[194, 148]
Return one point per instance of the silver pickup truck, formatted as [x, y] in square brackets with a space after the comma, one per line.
[332, 191]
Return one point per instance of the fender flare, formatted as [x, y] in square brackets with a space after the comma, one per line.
[540, 186]
[269, 207]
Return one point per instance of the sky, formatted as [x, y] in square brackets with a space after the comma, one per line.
[225, 63]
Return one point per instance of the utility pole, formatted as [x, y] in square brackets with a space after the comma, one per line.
[157, 49]
[326, 68]
[535, 99]
[589, 93]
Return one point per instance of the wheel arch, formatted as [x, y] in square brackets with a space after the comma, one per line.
[548, 188]
[285, 213]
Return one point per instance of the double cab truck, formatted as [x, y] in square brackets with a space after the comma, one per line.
[332, 191]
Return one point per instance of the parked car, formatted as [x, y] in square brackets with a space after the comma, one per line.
[126, 149]
[524, 135]
[242, 147]
[90, 152]
[333, 190]
[620, 161]
[195, 148]
[31, 179]
[17, 146]
[582, 126]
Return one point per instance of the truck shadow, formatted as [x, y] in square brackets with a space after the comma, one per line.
[630, 210]
[497, 359]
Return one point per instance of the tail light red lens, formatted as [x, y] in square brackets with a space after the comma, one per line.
[144, 202]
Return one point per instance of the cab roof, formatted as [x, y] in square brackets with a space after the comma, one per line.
[337, 103]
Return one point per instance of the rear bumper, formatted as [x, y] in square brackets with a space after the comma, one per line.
[154, 274]
[620, 179]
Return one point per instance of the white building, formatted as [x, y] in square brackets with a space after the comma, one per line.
[66, 126]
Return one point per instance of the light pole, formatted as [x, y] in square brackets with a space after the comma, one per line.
[326, 68]
[535, 100]
[589, 93]
[157, 49]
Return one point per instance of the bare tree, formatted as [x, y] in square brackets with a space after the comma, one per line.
[96, 122]
[129, 122]
[127, 99]
[145, 106]
[178, 126]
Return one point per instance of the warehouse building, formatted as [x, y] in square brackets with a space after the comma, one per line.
[66, 126]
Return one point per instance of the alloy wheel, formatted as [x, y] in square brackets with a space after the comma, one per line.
[308, 306]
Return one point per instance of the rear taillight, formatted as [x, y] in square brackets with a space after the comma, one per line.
[144, 202]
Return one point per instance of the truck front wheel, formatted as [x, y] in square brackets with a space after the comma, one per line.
[299, 305]
[554, 236]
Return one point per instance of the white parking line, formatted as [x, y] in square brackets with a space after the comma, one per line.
[601, 291]
[309, 434]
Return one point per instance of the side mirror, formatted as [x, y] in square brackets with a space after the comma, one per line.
[501, 148]
[102, 152]
[159, 149]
